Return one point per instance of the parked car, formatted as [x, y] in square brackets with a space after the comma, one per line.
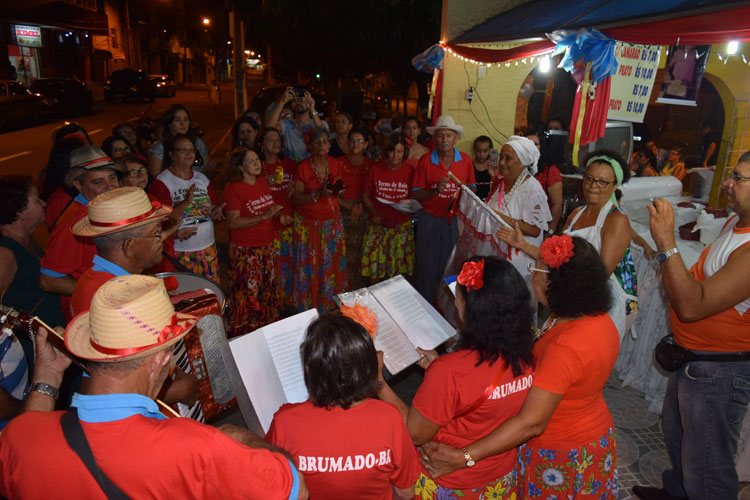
[17, 103]
[265, 96]
[164, 86]
[129, 84]
[64, 96]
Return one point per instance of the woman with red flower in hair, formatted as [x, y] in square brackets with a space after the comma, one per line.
[481, 383]
[564, 426]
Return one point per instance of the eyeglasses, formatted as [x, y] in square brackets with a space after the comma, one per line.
[734, 178]
[356, 141]
[601, 183]
[531, 268]
[136, 173]
[185, 151]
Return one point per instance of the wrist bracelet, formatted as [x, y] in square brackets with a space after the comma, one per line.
[45, 389]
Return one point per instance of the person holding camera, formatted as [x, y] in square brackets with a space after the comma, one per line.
[295, 130]
[319, 249]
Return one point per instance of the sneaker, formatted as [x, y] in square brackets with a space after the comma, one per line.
[652, 493]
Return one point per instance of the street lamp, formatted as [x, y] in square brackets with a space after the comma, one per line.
[206, 21]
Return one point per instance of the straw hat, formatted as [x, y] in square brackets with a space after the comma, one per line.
[446, 121]
[118, 210]
[88, 158]
[131, 317]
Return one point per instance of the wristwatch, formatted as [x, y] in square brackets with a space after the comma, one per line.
[469, 461]
[45, 389]
[663, 256]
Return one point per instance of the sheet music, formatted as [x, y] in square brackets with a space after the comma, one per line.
[398, 352]
[283, 339]
[421, 323]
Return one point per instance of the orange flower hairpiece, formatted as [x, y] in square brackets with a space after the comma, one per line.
[557, 250]
[362, 315]
[471, 275]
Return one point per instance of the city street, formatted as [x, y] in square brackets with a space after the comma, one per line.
[26, 151]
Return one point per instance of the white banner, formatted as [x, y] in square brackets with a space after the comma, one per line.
[632, 84]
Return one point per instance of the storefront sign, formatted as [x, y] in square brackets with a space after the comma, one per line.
[632, 84]
[28, 36]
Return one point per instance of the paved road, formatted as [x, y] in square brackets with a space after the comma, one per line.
[26, 151]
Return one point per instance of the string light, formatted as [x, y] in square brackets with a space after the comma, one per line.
[525, 60]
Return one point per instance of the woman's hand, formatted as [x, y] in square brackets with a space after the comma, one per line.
[285, 219]
[428, 356]
[381, 362]
[513, 237]
[357, 210]
[272, 211]
[185, 233]
[440, 459]
[376, 219]
[217, 213]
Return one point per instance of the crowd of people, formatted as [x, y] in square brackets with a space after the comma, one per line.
[510, 411]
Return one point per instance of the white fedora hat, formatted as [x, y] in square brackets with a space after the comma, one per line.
[118, 210]
[446, 121]
[131, 317]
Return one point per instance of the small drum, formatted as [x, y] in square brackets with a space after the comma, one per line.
[189, 282]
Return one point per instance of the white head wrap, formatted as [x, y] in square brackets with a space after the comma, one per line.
[526, 150]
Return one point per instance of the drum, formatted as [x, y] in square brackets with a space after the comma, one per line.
[189, 282]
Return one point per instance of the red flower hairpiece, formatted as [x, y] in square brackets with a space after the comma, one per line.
[557, 250]
[362, 315]
[471, 275]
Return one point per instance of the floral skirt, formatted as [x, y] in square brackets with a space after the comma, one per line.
[254, 288]
[503, 488]
[354, 232]
[319, 252]
[589, 471]
[282, 244]
[204, 262]
[388, 251]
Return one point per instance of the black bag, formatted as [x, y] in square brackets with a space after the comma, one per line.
[671, 356]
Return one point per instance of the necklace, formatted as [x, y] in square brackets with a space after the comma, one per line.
[503, 198]
[540, 333]
[322, 181]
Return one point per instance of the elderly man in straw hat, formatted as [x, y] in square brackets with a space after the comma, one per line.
[437, 229]
[125, 446]
[126, 228]
[68, 256]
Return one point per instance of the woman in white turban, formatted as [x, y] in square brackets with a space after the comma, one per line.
[519, 198]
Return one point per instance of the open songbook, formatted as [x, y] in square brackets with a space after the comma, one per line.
[405, 321]
[268, 361]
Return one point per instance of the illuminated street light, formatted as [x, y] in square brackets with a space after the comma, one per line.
[732, 47]
[206, 21]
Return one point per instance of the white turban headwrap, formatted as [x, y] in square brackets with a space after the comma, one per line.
[526, 150]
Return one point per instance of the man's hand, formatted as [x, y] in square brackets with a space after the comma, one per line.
[50, 364]
[440, 459]
[309, 101]
[442, 183]
[287, 96]
[662, 224]
[183, 389]
[185, 233]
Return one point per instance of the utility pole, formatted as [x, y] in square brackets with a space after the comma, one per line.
[238, 42]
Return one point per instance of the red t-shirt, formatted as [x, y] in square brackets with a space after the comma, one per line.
[250, 200]
[575, 359]
[355, 453]
[429, 171]
[355, 177]
[549, 177]
[391, 185]
[327, 207]
[87, 285]
[144, 457]
[452, 384]
[280, 176]
[56, 203]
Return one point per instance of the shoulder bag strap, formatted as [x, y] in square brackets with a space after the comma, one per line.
[54, 223]
[77, 441]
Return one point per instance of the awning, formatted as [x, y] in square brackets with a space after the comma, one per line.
[535, 19]
[699, 29]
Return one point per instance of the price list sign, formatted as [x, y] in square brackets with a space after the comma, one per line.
[632, 84]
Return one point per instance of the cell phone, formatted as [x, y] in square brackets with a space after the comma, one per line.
[493, 157]
[298, 92]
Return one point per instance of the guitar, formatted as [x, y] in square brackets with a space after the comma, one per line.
[14, 322]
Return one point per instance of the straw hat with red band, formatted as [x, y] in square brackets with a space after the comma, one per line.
[86, 159]
[131, 317]
[117, 210]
